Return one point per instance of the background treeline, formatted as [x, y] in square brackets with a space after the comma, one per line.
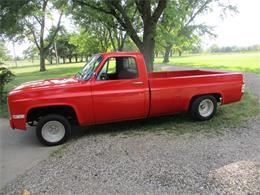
[228, 49]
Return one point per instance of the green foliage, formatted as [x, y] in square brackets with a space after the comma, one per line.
[12, 13]
[85, 43]
[216, 49]
[30, 53]
[178, 29]
[3, 52]
[6, 76]
[64, 48]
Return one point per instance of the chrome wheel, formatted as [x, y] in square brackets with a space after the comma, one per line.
[53, 131]
[206, 107]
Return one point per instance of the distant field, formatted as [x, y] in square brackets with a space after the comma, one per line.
[31, 72]
[245, 62]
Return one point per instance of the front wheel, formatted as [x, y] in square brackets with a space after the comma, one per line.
[203, 107]
[53, 130]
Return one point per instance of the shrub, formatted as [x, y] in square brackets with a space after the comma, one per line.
[5, 77]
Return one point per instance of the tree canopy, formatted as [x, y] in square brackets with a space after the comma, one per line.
[147, 25]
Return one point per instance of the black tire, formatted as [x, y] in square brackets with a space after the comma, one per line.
[195, 107]
[61, 121]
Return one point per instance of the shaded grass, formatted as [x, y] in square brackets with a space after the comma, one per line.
[245, 62]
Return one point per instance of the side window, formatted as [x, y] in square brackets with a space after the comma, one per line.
[119, 68]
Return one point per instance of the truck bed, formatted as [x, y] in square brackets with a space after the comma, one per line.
[172, 91]
[183, 73]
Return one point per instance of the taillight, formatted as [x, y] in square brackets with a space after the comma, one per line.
[243, 85]
[243, 88]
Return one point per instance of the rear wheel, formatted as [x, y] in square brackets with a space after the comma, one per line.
[203, 107]
[53, 130]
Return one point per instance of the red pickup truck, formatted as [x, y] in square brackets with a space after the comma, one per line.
[115, 87]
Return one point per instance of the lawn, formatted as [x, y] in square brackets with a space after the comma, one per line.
[245, 62]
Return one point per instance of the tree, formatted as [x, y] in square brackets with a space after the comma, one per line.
[11, 15]
[5, 77]
[30, 20]
[89, 41]
[109, 29]
[3, 52]
[30, 53]
[35, 24]
[177, 25]
[149, 12]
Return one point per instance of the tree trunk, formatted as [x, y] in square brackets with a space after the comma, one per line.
[171, 53]
[148, 47]
[56, 53]
[50, 59]
[1, 95]
[15, 57]
[70, 59]
[167, 53]
[63, 60]
[148, 53]
[180, 53]
[76, 58]
[42, 61]
[81, 58]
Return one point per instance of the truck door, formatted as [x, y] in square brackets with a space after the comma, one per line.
[118, 92]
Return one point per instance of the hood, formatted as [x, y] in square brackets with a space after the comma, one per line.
[45, 83]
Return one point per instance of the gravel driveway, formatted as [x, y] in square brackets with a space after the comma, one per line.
[198, 163]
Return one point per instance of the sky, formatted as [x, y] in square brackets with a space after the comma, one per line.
[241, 29]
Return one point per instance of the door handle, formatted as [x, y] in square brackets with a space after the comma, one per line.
[138, 83]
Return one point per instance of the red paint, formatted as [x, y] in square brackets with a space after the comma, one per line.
[151, 94]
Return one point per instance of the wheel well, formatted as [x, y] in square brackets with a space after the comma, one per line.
[67, 111]
[216, 95]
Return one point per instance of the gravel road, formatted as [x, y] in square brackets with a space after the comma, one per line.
[149, 163]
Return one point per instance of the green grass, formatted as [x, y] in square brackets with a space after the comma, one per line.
[245, 62]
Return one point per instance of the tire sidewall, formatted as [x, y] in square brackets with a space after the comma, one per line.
[195, 107]
[53, 117]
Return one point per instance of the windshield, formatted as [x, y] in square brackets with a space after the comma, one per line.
[88, 69]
